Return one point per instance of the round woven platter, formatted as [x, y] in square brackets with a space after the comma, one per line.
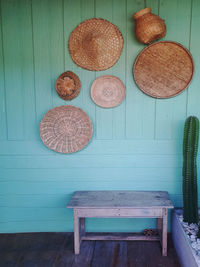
[163, 69]
[108, 91]
[66, 129]
[68, 85]
[95, 44]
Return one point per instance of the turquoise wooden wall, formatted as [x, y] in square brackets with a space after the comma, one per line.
[136, 145]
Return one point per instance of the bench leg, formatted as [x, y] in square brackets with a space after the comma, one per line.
[164, 233]
[76, 234]
[159, 229]
[82, 222]
[159, 224]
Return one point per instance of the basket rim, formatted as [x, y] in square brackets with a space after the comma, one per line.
[142, 12]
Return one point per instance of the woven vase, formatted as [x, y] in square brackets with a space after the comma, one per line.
[149, 27]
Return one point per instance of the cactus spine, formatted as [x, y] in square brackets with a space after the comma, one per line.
[190, 148]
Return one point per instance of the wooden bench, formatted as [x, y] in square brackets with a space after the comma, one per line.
[120, 204]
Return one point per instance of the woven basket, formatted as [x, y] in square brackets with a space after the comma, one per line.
[68, 85]
[108, 91]
[66, 129]
[95, 44]
[163, 69]
[149, 27]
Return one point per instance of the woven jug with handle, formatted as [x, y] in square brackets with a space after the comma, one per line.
[149, 27]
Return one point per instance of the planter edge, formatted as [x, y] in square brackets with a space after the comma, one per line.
[182, 245]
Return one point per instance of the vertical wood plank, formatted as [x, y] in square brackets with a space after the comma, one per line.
[30, 124]
[193, 91]
[12, 44]
[3, 122]
[85, 257]
[140, 108]
[87, 77]
[135, 254]
[103, 254]
[104, 118]
[119, 69]
[133, 48]
[72, 17]
[154, 5]
[57, 47]
[48, 50]
[170, 113]
[19, 79]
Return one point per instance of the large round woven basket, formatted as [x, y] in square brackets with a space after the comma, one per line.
[68, 85]
[163, 69]
[108, 91]
[95, 44]
[66, 129]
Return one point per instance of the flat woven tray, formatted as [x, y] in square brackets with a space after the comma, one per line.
[95, 44]
[66, 129]
[163, 69]
[108, 91]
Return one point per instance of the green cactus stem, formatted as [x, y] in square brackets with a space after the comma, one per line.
[190, 148]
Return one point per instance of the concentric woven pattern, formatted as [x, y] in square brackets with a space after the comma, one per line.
[95, 44]
[68, 85]
[66, 129]
[108, 91]
[163, 69]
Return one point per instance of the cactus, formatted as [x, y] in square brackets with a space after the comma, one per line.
[190, 148]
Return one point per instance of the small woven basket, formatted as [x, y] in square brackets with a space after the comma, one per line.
[68, 85]
[149, 27]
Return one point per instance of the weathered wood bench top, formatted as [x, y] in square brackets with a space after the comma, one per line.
[120, 199]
